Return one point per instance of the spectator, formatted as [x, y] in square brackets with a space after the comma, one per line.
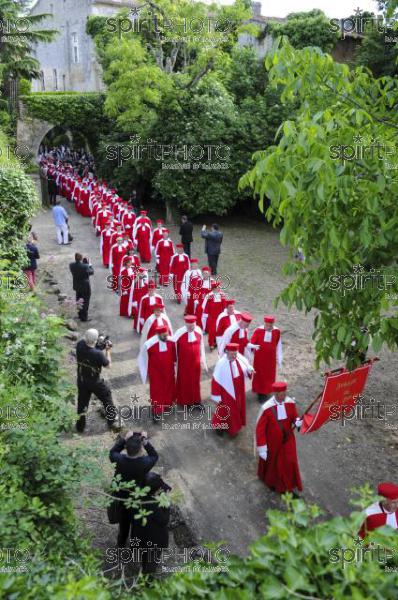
[131, 466]
[33, 255]
[213, 243]
[81, 271]
[61, 223]
[155, 534]
[186, 230]
[52, 190]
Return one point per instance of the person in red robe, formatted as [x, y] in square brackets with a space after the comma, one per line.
[164, 251]
[142, 238]
[101, 219]
[237, 334]
[213, 305]
[148, 303]
[127, 277]
[143, 219]
[383, 513]
[105, 244]
[156, 362]
[201, 293]
[116, 234]
[84, 200]
[128, 220]
[158, 318]
[191, 282]
[127, 242]
[276, 444]
[229, 392]
[157, 233]
[228, 317]
[190, 360]
[132, 255]
[116, 256]
[179, 264]
[137, 292]
[267, 346]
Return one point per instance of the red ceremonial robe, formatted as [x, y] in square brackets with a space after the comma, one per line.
[146, 309]
[203, 290]
[142, 238]
[152, 323]
[179, 264]
[105, 246]
[192, 281]
[137, 292]
[190, 357]
[84, 203]
[265, 358]
[127, 277]
[128, 220]
[117, 253]
[101, 218]
[228, 391]
[157, 235]
[224, 321]
[376, 517]
[280, 471]
[156, 361]
[164, 251]
[234, 335]
[212, 307]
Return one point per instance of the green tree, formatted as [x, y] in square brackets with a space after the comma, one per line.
[307, 29]
[330, 187]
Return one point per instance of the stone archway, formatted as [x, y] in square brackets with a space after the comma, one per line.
[30, 133]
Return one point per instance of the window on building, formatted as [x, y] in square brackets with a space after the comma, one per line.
[75, 48]
[55, 78]
[42, 81]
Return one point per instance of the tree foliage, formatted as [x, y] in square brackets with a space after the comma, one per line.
[332, 190]
[304, 29]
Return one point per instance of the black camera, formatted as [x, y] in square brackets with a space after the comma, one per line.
[103, 342]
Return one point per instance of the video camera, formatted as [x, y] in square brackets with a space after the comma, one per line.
[104, 342]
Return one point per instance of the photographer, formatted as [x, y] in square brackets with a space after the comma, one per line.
[91, 357]
[81, 271]
[133, 465]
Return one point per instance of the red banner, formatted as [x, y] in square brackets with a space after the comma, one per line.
[339, 390]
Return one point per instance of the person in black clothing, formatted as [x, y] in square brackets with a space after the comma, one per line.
[132, 466]
[90, 361]
[81, 272]
[33, 256]
[155, 534]
[213, 243]
[186, 230]
[52, 190]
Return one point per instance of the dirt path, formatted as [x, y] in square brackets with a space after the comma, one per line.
[222, 499]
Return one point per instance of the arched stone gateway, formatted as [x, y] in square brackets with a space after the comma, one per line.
[30, 133]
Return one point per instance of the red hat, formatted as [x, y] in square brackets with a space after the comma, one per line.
[144, 212]
[194, 260]
[279, 386]
[230, 302]
[141, 270]
[159, 221]
[179, 245]
[190, 319]
[232, 347]
[151, 285]
[388, 490]
[269, 319]
[159, 303]
[206, 269]
[215, 284]
[161, 329]
[166, 231]
[247, 317]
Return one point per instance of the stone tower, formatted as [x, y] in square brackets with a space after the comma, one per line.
[69, 62]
